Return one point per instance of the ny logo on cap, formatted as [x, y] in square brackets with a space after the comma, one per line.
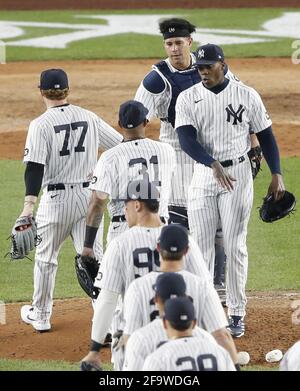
[201, 53]
[171, 29]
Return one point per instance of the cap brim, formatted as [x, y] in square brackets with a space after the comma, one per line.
[206, 62]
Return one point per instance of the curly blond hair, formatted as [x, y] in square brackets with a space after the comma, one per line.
[55, 94]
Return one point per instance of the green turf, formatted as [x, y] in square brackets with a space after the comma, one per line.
[139, 45]
[273, 248]
[34, 365]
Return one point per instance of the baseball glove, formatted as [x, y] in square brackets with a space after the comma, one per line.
[255, 156]
[274, 210]
[86, 271]
[23, 237]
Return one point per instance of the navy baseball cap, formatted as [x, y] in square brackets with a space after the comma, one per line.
[56, 79]
[173, 238]
[180, 311]
[170, 285]
[142, 191]
[209, 54]
[132, 113]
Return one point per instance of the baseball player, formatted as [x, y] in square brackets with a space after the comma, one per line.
[137, 157]
[60, 155]
[131, 255]
[183, 351]
[158, 92]
[291, 359]
[139, 302]
[147, 339]
[213, 120]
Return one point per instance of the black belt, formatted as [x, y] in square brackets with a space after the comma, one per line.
[228, 163]
[118, 219]
[122, 218]
[61, 186]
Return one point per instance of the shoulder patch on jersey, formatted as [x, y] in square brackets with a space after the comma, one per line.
[154, 83]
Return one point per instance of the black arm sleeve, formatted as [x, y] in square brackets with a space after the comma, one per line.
[270, 149]
[188, 141]
[33, 177]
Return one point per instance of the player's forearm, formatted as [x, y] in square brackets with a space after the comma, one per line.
[224, 339]
[33, 178]
[93, 220]
[95, 210]
[104, 309]
[270, 149]
[188, 141]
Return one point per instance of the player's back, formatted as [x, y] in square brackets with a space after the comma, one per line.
[138, 252]
[139, 306]
[133, 160]
[66, 139]
[189, 354]
[147, 339]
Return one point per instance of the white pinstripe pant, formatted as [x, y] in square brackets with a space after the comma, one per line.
[207, 202]
[60, 214]
[181, 178]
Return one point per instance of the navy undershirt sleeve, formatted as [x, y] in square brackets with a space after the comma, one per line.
[33, 177]
[188, 141]
[270, 149]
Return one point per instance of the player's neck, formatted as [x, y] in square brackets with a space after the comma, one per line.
[53, 103]
[171, 265]
[176, 334]
[149, 220]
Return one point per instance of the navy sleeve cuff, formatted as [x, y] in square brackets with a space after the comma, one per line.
[270, 150]
[33, 177]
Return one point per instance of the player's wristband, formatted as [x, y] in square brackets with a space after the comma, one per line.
[95, 346]
[90, 235]
[237, 367]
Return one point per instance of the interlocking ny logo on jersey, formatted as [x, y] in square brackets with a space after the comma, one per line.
[237, 115]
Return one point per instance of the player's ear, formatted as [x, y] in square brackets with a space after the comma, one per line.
[186, 250]
[194, 322]
[158, 247]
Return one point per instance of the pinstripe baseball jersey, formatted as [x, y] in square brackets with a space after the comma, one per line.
[291, 359]
[189, 354]
[161, 104]
[147, 339]
[158, 103]
[66, 140]
[133, 160]
[223, 120]
[133, 254]
[140, 309]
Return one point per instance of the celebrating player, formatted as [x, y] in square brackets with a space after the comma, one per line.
[137, 157]
[139, 302]
[131, 255]
[158, 92]
[185, 351]
[145, 340]
[213, 120]
[60, 155]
